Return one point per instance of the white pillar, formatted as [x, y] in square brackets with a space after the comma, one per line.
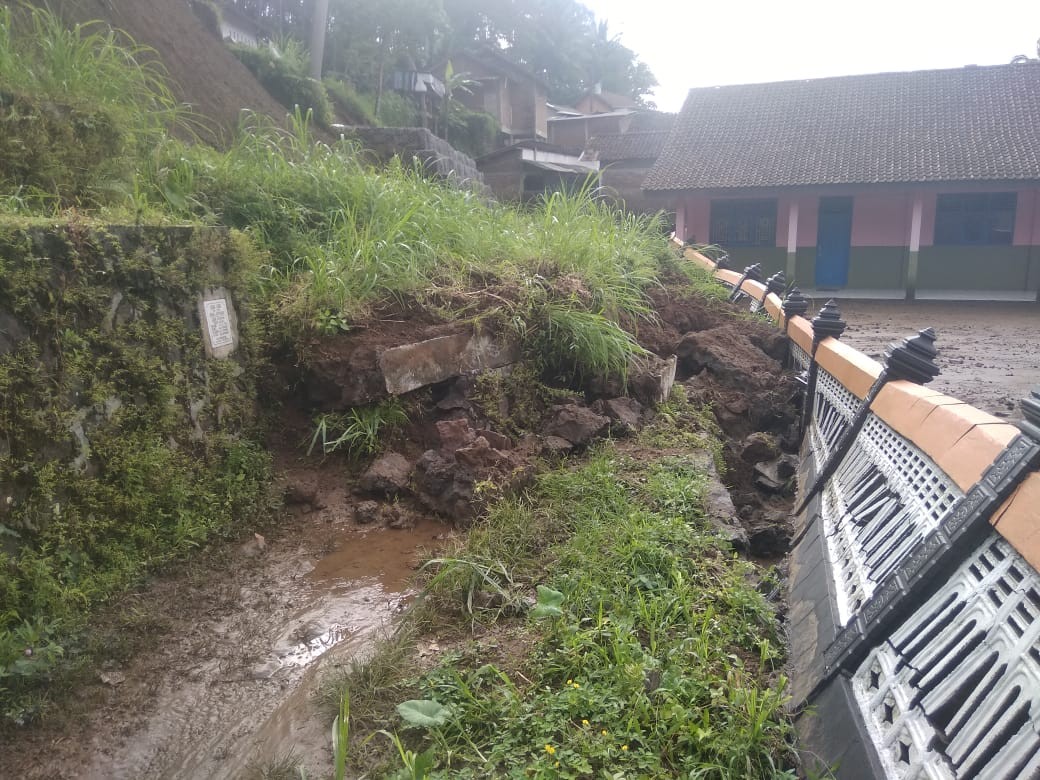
[915, 245]
[792, 241]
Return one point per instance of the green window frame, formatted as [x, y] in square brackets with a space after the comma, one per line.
[743, 222]
[975, 218]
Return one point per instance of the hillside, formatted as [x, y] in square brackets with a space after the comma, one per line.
[204, 74]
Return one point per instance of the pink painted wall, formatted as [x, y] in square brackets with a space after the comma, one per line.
[879, 218]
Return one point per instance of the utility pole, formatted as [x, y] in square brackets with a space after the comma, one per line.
[318, 27]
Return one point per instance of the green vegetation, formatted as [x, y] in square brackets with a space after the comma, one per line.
[76, 107]
[284, 73]
[648, 652]
[121, 445]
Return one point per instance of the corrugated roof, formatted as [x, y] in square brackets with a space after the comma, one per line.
[968, 124]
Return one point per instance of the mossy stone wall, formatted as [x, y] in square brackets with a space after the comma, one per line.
[121, 444]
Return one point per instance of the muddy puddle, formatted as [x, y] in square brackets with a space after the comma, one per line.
[231, 688]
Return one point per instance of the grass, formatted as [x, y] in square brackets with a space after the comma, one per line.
[648, 653]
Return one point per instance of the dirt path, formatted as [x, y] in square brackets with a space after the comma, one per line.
[989, 353]
[230, 685]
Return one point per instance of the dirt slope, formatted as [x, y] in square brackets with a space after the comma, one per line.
[203, 72]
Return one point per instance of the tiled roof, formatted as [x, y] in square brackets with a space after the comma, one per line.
[973, 123]
[645, 121]
[626, 146]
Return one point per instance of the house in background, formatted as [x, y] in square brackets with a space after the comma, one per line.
[514, 96]
[596, 101]
[921, 184]
[626, 158]
[528, 169]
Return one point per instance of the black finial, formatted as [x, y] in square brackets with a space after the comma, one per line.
[828, 322]
[776, 283]
[1031, 414]
[794, 303]
[913, 358]
[722, 262]
[753, 272]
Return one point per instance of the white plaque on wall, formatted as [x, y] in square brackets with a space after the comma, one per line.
[219, 324]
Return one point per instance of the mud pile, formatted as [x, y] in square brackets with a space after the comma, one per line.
[477, 434]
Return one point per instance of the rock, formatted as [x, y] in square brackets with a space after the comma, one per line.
[411, 366]
[480, 456]
[556, 447]
[718, 506]
[112, 678]
[650, 378]
[787, 466]
[625, 412]
[399, 518]
[496, 440]
[388, 475]
[577, 424]
[456, 396]
[758, 447]
[254, 547]
[366, 512]
[306, 496]
[770, 535]
[443, 486]
[455, 434]
[768, 477]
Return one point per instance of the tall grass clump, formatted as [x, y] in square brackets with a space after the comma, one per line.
[569, 275]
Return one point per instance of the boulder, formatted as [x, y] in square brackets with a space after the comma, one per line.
[758, 447]
[626, 414]
[455, 434]
[388, 475]
[366, 512]
[577, 424]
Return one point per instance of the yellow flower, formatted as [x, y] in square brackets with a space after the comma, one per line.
[576, 685]
[570, 682]
[604, 732]
[624, 747]
[550, 750]
[584, 722]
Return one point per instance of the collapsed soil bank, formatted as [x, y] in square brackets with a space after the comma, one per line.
[223, 692]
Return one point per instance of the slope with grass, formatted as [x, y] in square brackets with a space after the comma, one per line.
[649, 650]
[647, 613]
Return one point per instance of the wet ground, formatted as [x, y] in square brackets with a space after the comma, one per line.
[229, 687]
[989, 353]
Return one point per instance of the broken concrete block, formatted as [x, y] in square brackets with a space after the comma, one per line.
[412, 366]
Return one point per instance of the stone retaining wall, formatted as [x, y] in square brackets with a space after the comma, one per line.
[914, 592]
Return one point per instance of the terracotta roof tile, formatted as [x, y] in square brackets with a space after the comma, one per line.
[973, 123]
[626, 146]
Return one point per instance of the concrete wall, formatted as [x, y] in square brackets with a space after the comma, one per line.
[914, 581]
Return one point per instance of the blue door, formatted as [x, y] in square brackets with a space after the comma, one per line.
[833, 237]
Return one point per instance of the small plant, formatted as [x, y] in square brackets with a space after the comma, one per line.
[358, 431]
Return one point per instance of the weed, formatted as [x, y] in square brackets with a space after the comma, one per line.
[358, 431]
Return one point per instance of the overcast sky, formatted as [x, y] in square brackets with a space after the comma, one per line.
[691, 43]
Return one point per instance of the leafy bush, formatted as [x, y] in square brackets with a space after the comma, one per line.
[285, 77]
[473, 132]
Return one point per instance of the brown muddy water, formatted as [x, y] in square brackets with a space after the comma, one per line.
[231, 686]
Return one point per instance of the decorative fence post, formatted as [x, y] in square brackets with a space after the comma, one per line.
[827, 322]
[794, 304]
[912, 359]
[753, 272]
[775, 284]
